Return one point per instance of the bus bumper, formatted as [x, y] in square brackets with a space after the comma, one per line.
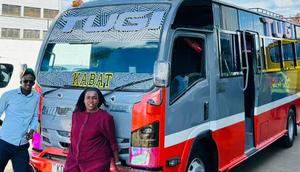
[53, 160]
[50, 160]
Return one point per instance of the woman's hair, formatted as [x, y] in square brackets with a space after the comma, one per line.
[80, 106]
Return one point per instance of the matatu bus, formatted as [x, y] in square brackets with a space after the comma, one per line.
[193, 85]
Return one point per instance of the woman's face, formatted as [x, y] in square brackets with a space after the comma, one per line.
[91, 100]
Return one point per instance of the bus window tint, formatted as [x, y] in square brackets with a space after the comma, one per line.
[288, 54]
[66, 57]
[272, 54]
[5, 74]
[275, 54]
[230, 63]
[127, 57]
[229, 18]
[131, 57]
[250, 21]
[297, 28]
[188, 64]
[298, 50]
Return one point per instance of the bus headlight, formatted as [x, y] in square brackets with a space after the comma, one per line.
[146, 136]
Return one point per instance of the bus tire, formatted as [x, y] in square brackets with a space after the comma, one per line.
[289, 138]
[198, 161]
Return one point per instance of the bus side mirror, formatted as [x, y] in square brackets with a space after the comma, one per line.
[161, 73]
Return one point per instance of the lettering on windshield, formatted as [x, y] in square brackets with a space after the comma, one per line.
[127, 21]
[92, 79]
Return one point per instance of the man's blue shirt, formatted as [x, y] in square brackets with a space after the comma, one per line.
[21, 114]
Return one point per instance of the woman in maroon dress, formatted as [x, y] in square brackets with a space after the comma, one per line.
[93, 141]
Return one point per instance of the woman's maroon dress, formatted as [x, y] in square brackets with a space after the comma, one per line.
[93, 142]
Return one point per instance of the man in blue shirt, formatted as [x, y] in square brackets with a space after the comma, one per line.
[21, 120]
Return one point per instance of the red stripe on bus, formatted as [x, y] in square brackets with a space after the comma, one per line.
[230, 142]
[144, 114]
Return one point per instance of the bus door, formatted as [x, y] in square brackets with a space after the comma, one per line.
[188, 93]
[250, 60]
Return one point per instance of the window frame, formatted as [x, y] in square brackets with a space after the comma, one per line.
[177, 35]
[32, 12]
[31, 32]
[234, 36]
[297, 54]
[11, 6]
[10, 30]
[269, 63]
[49, 12]
[288, 64]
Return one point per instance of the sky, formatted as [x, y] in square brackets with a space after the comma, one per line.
[283, 7]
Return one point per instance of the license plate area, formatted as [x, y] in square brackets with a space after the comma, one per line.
[57, 167]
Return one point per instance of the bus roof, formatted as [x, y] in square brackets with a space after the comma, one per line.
[115, 2]
[176, 3]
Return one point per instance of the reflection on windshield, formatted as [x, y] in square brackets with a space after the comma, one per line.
[124, 57]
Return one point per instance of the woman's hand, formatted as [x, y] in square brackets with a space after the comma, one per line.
[114, 166]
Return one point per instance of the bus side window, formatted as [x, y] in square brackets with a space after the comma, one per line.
[298, 53]
[5, 74]
[46, 60]
[272, 55]
[288, 55]
[230, 62]
[187, 66]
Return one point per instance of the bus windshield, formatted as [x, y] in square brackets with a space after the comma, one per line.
[118, 58]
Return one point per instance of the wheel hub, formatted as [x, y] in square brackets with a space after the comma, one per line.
[196, 166]
[291, 128]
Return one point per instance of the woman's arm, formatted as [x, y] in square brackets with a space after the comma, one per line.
[73, 126]
[116, 158]
[109, 127]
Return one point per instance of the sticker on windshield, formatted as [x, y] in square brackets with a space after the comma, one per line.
[91, 79]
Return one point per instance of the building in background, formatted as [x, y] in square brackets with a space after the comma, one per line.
[23, 25]
[295, 19]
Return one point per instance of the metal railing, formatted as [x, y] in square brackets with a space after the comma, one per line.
[267, 12]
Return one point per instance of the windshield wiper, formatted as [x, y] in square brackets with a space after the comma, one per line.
[57, 88]
[127, 85]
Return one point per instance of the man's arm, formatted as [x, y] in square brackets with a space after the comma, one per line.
[3, 103]
[34, 122]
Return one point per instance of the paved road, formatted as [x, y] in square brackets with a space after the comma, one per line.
[271, 159]
[274, 159]
[8, 167]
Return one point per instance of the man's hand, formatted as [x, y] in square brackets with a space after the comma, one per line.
[29, 134]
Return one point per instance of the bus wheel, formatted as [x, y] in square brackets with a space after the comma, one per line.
[197, 161]
[197, 165]
[288, 139]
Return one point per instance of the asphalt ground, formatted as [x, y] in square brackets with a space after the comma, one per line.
[272, 159]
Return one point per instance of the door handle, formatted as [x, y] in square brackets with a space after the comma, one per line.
[206, 110]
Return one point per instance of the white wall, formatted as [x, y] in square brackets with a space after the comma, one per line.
[24, 50]
[49, 4]
[24, 23]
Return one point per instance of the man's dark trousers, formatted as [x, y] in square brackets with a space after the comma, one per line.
[17, 154]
